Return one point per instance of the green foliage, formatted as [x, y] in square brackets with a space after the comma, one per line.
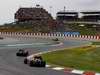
[25, 27]
[95, 43]
[83, 29]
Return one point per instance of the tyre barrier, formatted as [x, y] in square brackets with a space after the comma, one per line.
[28, 35]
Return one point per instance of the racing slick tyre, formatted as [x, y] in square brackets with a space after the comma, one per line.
[17, 54]
[25, 61]
[26, 54]
[43, 64]
[31, 64]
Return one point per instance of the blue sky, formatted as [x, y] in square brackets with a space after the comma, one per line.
[9, 7]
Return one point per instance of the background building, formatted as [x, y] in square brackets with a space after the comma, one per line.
[32, 14]
[91, 16]
[89, 19]
[39, 18]
[87, 16]
[67, 16]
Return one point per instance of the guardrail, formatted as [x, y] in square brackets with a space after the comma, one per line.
[25, 35]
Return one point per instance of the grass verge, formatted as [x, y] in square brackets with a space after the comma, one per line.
[83, 58]
[95, 43]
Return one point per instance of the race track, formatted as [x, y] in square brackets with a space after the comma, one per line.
[10, 64]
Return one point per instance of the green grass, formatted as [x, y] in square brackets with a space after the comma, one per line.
[85, 58]
[83, 30]
[95, 43]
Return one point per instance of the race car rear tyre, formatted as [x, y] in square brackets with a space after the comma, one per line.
[43, 64]
[27, 54]
[17, 54]
[25, 61]
[31, 63]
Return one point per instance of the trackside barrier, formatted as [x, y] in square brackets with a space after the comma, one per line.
[47, 35]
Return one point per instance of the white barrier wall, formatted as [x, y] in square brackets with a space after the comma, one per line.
[47, 35]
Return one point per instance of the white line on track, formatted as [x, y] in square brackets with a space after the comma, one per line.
[57, 68]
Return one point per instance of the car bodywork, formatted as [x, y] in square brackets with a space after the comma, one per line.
[36, 61]
[22, 52]
[56, 39]
[1, 38]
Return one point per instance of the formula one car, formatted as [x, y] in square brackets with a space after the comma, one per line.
[56, 39]
[1, 38]
[22, 52]
[36, 61]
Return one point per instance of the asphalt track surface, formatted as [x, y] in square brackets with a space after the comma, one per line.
[10, 64]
